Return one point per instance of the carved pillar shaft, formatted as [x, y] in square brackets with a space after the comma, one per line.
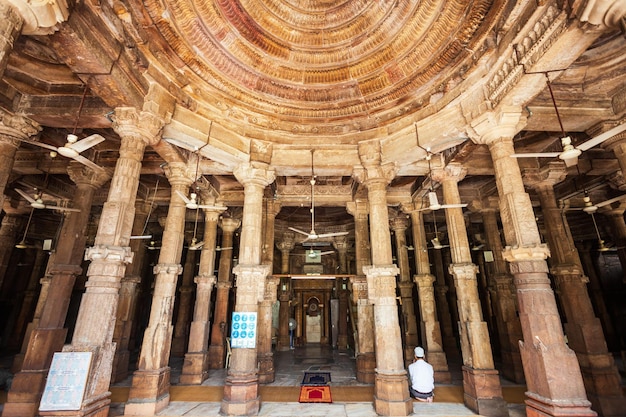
[220, 320]
[430, 328]
[10, 28]
[582, 327]
[390, 393]
[241, 395]
[552, 373]
[503, 300]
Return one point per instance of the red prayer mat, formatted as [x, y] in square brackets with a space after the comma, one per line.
[315, 394]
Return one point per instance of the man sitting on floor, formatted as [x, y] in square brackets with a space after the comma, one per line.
[421, 377]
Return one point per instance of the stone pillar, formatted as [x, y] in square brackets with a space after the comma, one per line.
[10, 29]
[149, 392]
[340, 243]
[618, 231]
[285, 246]
[364, 339]
[64, 266]
[217, 349]
[241, 395]
[481, 382]
[502, 296]
[264, 325]
[399, 224]
[430, 327]
[391, 395]
[185, 299]
[126, 308]
[10, 228]
[582, 327]
[109, 257]
[553, 378]
[196, 364]
[29, 300]
[597, 294]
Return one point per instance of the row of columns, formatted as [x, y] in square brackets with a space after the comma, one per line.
[379, 285]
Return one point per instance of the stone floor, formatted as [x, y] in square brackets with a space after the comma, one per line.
[290, 367]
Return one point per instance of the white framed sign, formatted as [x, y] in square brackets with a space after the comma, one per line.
[243, 330]
[67, 379]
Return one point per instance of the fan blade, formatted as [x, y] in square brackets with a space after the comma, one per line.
[62, 208]
[89, 163]
[141, 237]
[40, 144]
[197, 245]
[221, 208]
[453, 205]
[184, 197]
[219, 248]
[299, 231]
[601, 137]
[536, 155]
[611, 200]
[332, 234]
[327, 252]
[26, 196]
[86, 143]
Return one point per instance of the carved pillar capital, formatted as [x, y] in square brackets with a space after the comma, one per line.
[424, 280]
[399, 224]
[545, 177]
[141, 125]
[229, 225]
[451, 172]
[40, 17]
[254, 173]
[604, 14]
[287, 243]
[83, 175]
[178, 174]
[358, 208]
[493, 126]
[14, 127]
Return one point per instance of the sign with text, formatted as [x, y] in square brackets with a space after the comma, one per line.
[243, 330]
[67, 379]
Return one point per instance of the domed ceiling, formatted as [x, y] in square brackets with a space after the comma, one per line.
[281, 70]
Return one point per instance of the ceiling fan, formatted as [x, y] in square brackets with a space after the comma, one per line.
[570, 153]
[36, 201]
[433, 201]
[145, 225]
[22, 243]
[312, 234]
[590, 208]
[73, 147]
[435, 241]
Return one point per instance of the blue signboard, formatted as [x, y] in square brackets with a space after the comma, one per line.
[243, 330]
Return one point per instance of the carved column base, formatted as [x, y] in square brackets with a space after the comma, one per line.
[195, 368]
[241, 396]
[608, 406]
[96, 408]
[120, 365]
[266, 368]
[149, 392]
[216, 357]
[27, 386]
[537, 406]
[391, 395]
[483, 392]
[365, 368]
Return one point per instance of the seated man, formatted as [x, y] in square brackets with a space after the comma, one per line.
[421, 377]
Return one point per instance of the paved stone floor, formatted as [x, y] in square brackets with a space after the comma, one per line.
[289, 369]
